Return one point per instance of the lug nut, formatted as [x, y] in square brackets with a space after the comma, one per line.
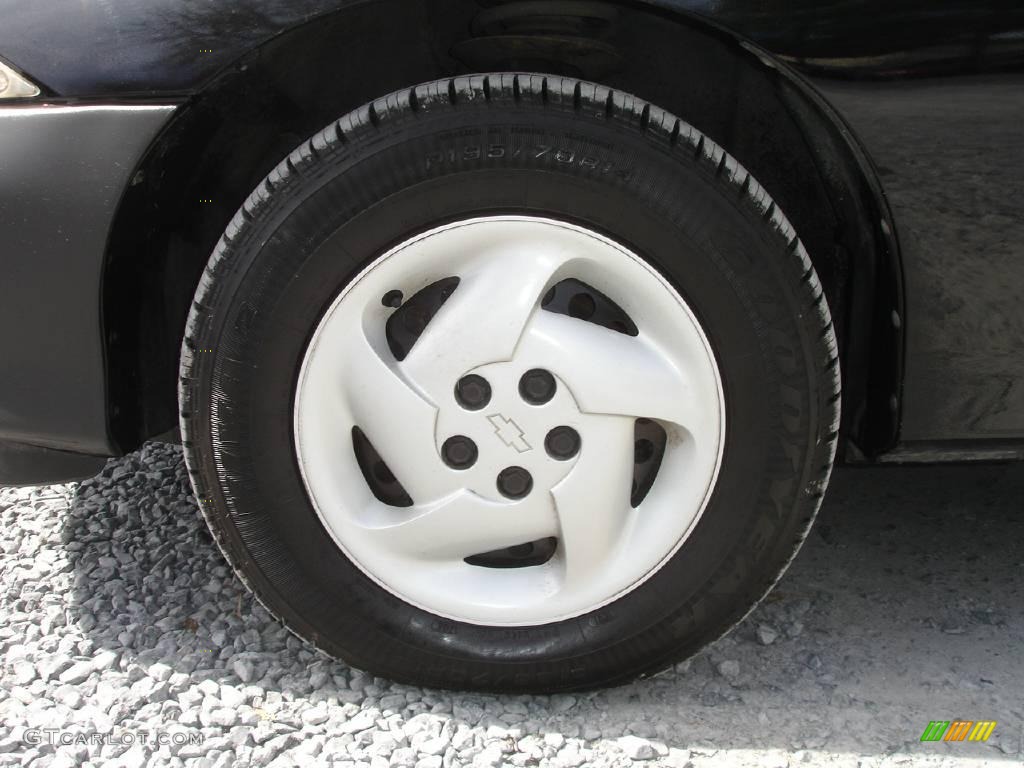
[514, 482]
[537, 386]
[415, 319]
[459, 452]
[472, 392]
[643, 450]
[582, 306]
[562, 443]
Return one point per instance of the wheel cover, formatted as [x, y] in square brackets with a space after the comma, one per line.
[493, 326]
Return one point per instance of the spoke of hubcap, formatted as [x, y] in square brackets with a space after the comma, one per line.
[466, 524]
[396, 419]
[593, 500]
[612, 373]
[484, 319]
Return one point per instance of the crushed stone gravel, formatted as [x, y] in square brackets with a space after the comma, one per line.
[123, 631]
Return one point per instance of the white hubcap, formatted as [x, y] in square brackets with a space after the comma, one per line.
[493, 326]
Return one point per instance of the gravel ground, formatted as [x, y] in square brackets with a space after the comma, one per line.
[119, 618]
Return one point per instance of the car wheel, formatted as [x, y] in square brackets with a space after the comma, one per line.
[509, 382]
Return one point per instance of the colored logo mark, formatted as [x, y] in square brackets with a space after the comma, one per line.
[958, 730]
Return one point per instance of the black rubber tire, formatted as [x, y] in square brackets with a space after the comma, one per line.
[510, 143]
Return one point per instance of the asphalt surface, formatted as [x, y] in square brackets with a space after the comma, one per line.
[118, 615]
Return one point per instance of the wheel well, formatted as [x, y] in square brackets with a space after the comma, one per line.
[224, 139]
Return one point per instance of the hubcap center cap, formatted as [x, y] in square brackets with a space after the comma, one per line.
[510, 431]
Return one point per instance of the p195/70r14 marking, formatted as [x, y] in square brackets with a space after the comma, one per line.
[497, 151]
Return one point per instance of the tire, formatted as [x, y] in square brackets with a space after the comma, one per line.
[515, 151]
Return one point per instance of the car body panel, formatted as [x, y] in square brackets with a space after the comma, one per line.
[950, 153]
[63, 171]
[150, 47]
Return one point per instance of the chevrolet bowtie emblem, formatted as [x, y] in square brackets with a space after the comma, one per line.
[509, 432]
